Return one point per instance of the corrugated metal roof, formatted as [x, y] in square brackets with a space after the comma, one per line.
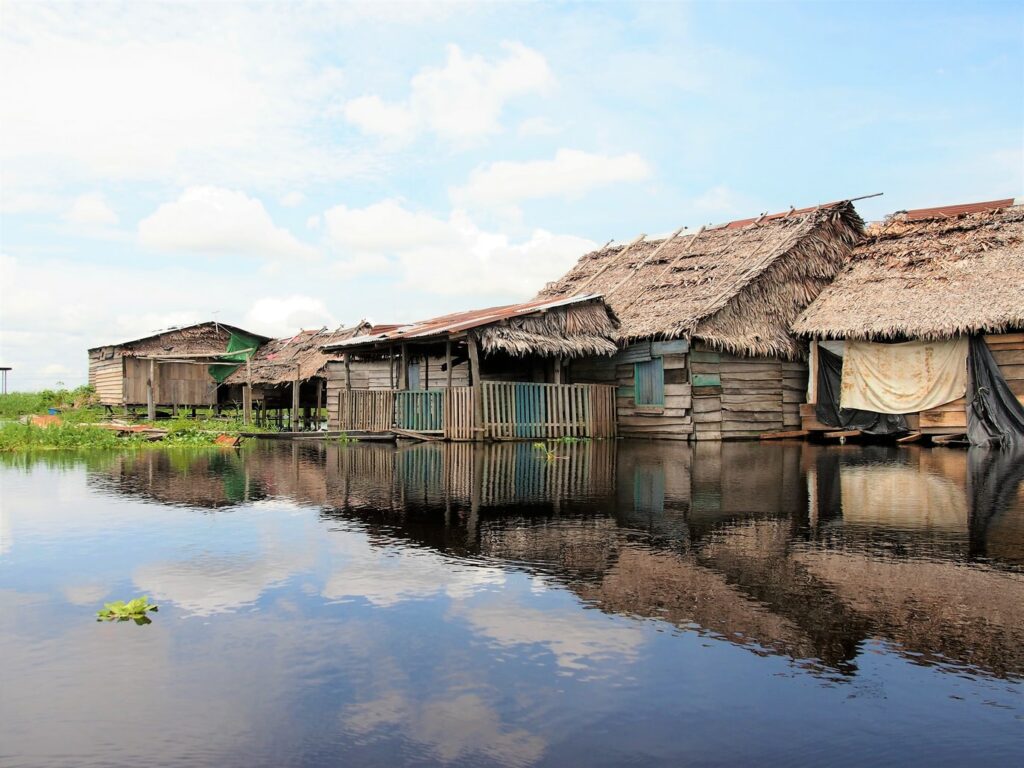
[458, 321]
[948, 211]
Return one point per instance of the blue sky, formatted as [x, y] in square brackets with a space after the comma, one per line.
[286, 166]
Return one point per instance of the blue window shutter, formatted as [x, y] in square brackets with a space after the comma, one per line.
[649, 379]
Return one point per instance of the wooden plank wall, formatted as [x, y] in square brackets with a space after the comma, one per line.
[107, 378]
[673, 420]
[364, 410]
[737, 397]
[176, 383]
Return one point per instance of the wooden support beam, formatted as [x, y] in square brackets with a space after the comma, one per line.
[448, 361]
[295, 401]
[474, 376]
[558, 371]
[348, 373]
[785, 435]
[247, 393]
[913, 437]
[842, 434]
[403, 378]
[151, 391]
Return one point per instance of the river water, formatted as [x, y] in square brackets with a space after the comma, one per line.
[605, 604]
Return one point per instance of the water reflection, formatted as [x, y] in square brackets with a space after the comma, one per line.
[792, 549]
[465, 604]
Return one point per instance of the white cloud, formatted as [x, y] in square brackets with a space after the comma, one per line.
[452, 256]
[212, 220]
[571, 174]
[721, 203]
[92, 210]
[537, 126]
[292, 199]
[463, 99]
[276, 316]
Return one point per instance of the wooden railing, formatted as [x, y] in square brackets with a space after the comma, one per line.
[366, 410]
[420, 410]
[492, 410]
[520, 410]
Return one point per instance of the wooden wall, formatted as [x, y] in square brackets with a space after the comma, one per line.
[176, 383]
[107, 378]
[709, 395]
[736, 397]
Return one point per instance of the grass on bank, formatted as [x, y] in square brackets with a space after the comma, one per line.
[79, 412]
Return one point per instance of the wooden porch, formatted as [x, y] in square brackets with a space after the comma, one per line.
[489, 411]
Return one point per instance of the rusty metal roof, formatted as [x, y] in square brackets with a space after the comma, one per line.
[948, 211]
[457, 322]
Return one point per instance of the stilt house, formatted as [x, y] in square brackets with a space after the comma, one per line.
[705, 351]
[174, 368]
[286, 378]
[495, 373]
[895, 323]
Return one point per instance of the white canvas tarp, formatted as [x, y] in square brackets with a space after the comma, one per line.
[903, 378]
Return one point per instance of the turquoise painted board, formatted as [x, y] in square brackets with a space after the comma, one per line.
[707, 380]
[674, 347]
[706, 357]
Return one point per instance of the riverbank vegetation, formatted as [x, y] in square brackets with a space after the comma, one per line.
[80, 424]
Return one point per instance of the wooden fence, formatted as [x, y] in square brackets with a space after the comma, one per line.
[493, 410]
[420, 410]
[366, 410]
[519, 410]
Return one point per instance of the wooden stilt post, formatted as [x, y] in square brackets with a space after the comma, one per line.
[295, 402]
[247, 394]
[558, 370]
[426, 370]
[448, 361]
[151, 392]
[319, 400]
[474, 375]
[403, 380]
[391, 368]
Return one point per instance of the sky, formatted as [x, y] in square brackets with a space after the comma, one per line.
[300, 165]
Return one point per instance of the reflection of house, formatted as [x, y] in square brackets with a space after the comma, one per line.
[915, 289]
[491, 373]
[176, 368]
[705, 321]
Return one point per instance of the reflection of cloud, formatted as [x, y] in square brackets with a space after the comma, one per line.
[215, 583]
[387, 577]
[86, 594]
[577, 639]
[5, 531]
[452, 728]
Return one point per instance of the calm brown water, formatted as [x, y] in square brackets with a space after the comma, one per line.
[621, 604]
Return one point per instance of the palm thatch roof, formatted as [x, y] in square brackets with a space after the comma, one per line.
[927, 276]
[282, 361]
[566, 327]
[197, 338]
[737, 286]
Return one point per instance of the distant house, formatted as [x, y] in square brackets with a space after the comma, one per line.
[706, 351]
[898, 317]
[288, 377]
[177, 367]
[494, 373]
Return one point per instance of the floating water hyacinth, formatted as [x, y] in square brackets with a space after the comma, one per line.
[134, 610]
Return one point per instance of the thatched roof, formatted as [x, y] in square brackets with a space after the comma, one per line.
[738, 286]
[936, 277]
[568, 327]
[281, 361]
[197, 338]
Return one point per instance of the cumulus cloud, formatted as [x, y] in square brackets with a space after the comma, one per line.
[426, 251]
[283, 316]
[570, 174]
[92, 210]
[463, 99]
[211, 220]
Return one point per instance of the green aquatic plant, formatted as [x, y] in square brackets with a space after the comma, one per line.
[549, 453]
[569, 440]
[134, 610]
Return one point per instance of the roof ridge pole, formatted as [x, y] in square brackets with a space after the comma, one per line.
[689, 250]
[611, 261]
[645, 262]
